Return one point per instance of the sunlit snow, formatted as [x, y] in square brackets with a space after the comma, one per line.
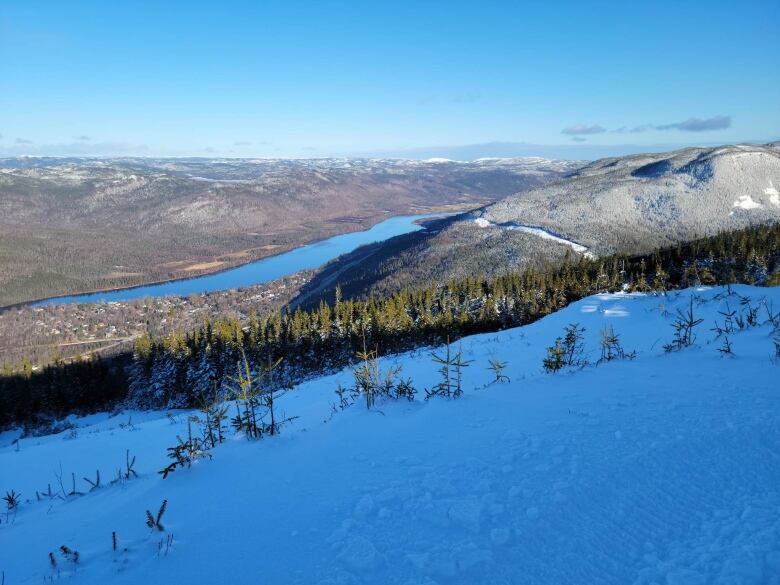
[661, 469]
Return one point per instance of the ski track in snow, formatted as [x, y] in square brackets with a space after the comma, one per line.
[537, 231]
[664, 470]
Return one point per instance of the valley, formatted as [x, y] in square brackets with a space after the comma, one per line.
[640, 202]
[389, 293]
[76, 225]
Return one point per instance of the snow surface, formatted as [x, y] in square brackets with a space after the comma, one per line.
[774, 194]
[746, 202]
[664, 469]
[536, 231]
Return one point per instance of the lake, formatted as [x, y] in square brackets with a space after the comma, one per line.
[260, 271]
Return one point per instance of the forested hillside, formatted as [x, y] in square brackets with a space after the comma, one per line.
[181, 368]
[622, 205]
[83, 224]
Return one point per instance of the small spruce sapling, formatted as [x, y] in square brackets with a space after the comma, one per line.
[12, 500]
[772, 317]
[725, 348]
[129, 464]
[367, 374]
[153, 521]
[127, 473]
[459, 364]
[728, 322]
[566, 351]
[444, 387]
[611, 348]
[72, 491]
[49, 493]
[346, 398]
[185, 453]
[405, 389]
[684, 325]
[246, 396]
[96, 483]
[555, 359]
[573, 343]
[496, 366]
[371, 381]
[214, 416]
[451, 370]
[70, 554]
[751, 313]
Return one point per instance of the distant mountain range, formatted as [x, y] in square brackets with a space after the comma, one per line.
[581, 150]
[80, 224]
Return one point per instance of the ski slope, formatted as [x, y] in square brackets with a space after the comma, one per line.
[664, 469]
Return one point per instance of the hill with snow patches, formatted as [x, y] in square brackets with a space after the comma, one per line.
[652, 200]
[626, 205]
[660, 469]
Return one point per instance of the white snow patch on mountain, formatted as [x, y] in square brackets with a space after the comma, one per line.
[774, 195]
[536, 231]
[746, 202]
[662, 469]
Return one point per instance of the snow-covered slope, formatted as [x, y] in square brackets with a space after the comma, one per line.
[651, 200]
[664, 469]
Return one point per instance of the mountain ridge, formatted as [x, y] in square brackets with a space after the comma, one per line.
[628, 204]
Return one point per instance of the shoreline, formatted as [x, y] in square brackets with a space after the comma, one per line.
[371, 222]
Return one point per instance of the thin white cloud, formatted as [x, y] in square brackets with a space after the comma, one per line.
[580, 129]
[689, 125]
[699, 124]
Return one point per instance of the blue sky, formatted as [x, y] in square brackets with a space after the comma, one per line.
[323, 78]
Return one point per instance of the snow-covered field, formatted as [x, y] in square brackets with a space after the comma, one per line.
[664, 469]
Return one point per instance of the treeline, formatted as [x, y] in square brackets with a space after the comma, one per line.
[180, 369]
[37, 399]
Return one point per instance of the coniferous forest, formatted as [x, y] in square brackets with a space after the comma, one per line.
[180, 369]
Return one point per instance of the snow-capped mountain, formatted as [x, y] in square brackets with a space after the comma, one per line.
[636, 203]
